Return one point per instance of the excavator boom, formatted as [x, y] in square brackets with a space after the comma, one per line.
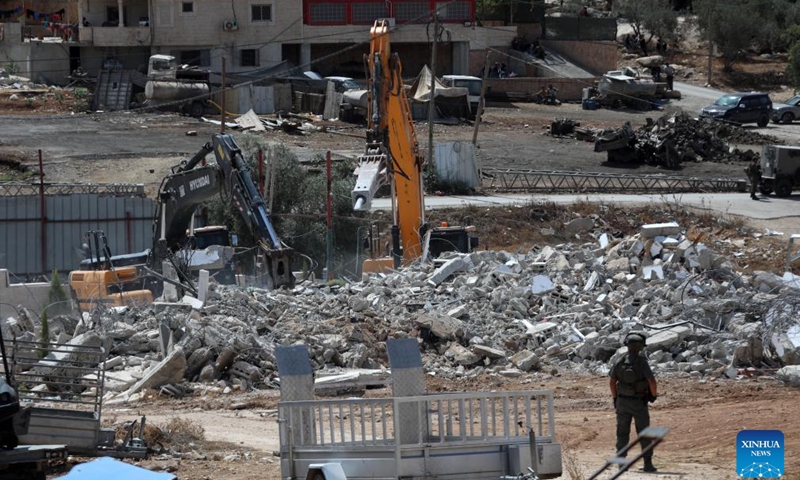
[392, 153]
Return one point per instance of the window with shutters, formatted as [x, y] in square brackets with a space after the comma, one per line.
[261, 12]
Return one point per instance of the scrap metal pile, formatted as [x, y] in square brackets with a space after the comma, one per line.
[678, 138]
[563, 308]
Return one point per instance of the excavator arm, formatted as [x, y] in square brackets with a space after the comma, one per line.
[392, 153]
[189, 186]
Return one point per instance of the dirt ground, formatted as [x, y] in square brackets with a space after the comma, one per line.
[704, 417]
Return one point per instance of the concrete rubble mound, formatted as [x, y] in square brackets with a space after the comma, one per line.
[678, 138]
[551, 309]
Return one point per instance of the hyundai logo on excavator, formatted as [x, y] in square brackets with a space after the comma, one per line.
[201, 182]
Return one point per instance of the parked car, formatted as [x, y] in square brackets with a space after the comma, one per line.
[786, 112]
[344, 84]
[741, 108]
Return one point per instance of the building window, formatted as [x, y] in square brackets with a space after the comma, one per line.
[328, 13]
[368, 12]
[187, 7]
[261, 12]
[195, 58]
[411, 11]
[454, 11]
[249, 57]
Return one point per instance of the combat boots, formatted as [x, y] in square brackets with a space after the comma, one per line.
[648, 466]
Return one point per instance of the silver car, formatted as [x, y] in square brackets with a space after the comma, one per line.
[786, 112]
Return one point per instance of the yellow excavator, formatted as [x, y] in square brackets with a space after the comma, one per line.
[392, 158]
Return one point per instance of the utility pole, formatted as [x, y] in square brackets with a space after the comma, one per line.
[329, 218]
[431, 106]
[710, 41]
[222, 101]
[479, 112]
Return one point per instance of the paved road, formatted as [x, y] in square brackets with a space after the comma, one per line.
[694, 98]
[769, 208]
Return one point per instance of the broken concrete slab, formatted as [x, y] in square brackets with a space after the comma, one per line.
[664, 339]
[442, 326]
[169, 370]
[488, 352]
[578, 225]
[525, 360]
[660, 229]
[461, 355]
[450, 267]
[541, 284]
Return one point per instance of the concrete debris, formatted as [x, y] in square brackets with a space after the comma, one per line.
[552, 308]
[676, 138]
[790, 375]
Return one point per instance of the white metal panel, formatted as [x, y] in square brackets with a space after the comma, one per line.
[263, 99]
[456, 162]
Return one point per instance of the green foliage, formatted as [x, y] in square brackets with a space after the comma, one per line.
[59, 96]
[81, 93]
[11, 67]
[526, 11]
[739, 26]
[29, 102]
[59, 301]
[655, 17]
[298, 206]
[793, 65]
[81, 107]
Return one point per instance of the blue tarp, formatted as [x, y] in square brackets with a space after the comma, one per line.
[107, 468]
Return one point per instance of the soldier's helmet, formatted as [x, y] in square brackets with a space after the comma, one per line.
[635, 339]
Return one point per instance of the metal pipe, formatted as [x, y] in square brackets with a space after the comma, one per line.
[329, 219]
[222, 100]
[42, 215]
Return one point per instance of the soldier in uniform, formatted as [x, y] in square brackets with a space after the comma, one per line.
[632, 386]
[753, 172]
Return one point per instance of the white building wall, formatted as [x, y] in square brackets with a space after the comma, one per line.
[204, 28]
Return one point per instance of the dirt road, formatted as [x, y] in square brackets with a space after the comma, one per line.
[140, 148]
[704, 417]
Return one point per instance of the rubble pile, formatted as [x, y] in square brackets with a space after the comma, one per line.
[15, 82]
[704, 139]
[678, 138]
[557, 308]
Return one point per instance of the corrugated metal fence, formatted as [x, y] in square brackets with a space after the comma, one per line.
[127, 222]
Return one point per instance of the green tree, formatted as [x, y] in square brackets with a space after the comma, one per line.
[298, 204]
[737, 26]
[793, 63]
[653, 17]
[59, 302]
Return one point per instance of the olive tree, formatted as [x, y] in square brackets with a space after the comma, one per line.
[655, 17]
[738, 26]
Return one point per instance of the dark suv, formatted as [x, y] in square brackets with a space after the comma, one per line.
[752, 107]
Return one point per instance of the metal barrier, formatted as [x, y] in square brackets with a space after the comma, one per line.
[574, 182]
[460, 418]
[70, 377]
[15, 189]
[64, 390]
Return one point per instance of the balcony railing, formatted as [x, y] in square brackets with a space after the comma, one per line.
[115, 36]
